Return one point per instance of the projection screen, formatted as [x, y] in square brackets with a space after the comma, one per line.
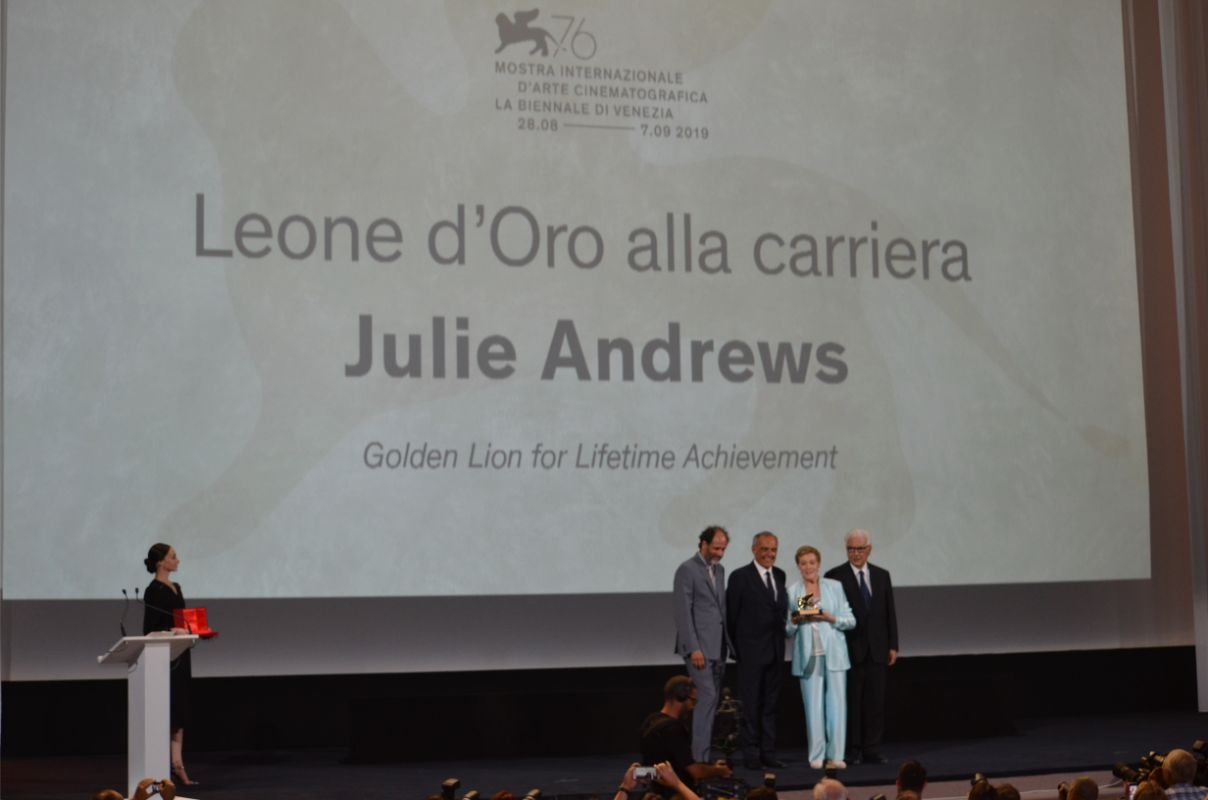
[368, 299]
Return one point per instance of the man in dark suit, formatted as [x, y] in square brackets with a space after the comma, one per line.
[699, 605]
[872, 645]
[756, 610]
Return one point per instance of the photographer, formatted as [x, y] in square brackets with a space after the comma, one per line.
[665, 738]
[1178, 772]
[664, 776]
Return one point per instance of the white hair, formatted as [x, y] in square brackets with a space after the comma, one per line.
[855, 532]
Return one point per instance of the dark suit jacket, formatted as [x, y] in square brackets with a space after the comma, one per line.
[876, 631]
[756, 623]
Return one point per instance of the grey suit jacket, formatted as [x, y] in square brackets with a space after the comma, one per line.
[700, 610]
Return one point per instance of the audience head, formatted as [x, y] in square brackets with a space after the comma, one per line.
[1178, 767]
[1084, 789]
[1005, 791]
[829, 789]
[912, 777]
[909, 794]
[108, 794]
[1149, 790]
[762, 793]
[982, 790]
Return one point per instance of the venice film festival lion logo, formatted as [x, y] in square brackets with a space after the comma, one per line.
[517, 30]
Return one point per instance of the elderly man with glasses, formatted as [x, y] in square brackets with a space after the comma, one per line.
[872, 646]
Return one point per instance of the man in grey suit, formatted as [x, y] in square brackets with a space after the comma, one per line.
[699, 602]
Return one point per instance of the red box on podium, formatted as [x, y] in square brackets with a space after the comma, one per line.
[194, 621]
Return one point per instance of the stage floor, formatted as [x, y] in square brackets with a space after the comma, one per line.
[1047, 747]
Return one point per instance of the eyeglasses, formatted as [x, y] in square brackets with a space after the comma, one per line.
[859, 549]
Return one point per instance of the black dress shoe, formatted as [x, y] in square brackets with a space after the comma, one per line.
[773, 763]
[875, 758]
[182, 778]
[854, 758]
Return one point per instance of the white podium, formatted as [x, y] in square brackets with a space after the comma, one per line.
[147, 701]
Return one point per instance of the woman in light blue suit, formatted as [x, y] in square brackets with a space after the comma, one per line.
[820, 659]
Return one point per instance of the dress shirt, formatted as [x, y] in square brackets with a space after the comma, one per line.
[867, 576]
[765, 575]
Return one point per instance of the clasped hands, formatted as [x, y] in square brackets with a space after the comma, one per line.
[799, 618]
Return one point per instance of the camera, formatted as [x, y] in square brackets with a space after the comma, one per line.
[1151, 761]
[727, 721]
[1129, 774]
[645, 774]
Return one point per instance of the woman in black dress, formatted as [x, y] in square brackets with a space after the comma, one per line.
[162, 598]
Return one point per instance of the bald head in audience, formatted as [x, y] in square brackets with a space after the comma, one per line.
[829, 789]
[1178, 767]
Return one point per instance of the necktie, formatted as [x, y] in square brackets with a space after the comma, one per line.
[712, 581]
[867, 595]
[767, 578]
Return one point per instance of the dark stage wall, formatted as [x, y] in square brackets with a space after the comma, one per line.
[580, 711]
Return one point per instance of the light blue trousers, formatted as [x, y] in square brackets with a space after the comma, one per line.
[824, 694]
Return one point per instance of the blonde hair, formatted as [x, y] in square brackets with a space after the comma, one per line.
[804, 549]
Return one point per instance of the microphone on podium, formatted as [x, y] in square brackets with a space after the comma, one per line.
[125, 610]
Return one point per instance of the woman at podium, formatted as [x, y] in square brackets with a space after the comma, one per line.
[161, 599]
